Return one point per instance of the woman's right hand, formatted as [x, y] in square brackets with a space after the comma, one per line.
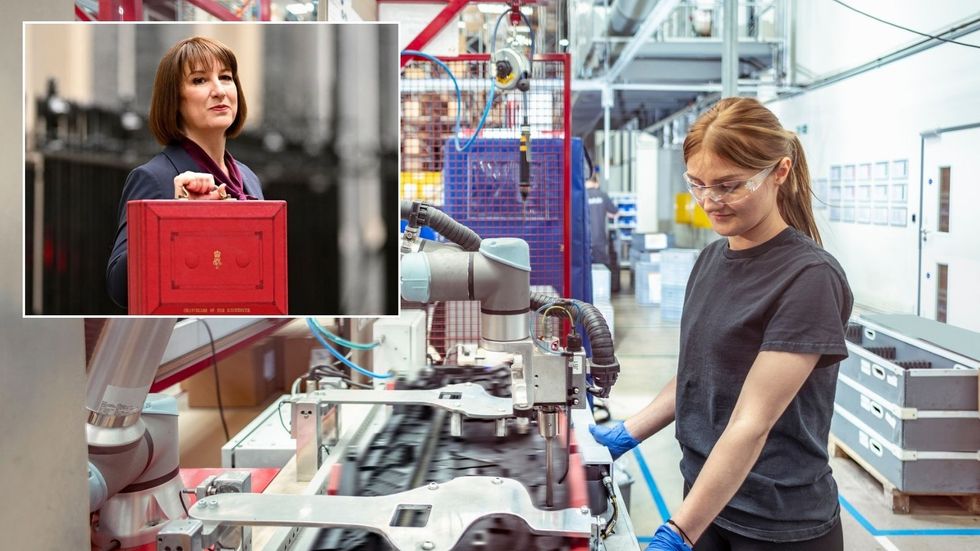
[198, 186]
[617, 439]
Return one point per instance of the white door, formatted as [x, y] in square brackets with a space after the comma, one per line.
[950, 272]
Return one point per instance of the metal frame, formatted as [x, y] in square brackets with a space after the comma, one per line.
[443, 512]
[652, 22]
[443, 18]
[468, 399]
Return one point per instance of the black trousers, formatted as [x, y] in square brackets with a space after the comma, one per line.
[716, 538]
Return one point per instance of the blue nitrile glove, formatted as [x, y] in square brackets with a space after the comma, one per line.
[667, 540]
[617, 439]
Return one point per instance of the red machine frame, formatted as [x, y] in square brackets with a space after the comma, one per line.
[132, 10]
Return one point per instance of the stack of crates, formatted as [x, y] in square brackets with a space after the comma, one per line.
[906, 408]
[602, 293]
[645, 259]
[675, 269]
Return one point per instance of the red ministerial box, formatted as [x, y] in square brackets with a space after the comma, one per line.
[192, 258]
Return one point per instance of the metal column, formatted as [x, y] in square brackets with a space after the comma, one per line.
[729, 54]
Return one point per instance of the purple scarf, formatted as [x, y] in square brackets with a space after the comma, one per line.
[233, 180]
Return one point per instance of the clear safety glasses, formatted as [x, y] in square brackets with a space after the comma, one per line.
[726, 193]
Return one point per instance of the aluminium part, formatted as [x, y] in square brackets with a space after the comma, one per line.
[466, 399]
[433, 517]
[191, 535]
[316, 427]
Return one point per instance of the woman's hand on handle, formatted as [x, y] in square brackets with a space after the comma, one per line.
[198, 186]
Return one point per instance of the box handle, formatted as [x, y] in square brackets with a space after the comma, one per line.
[875, 447]
[869, 334]
[878, 371]
[877, 410]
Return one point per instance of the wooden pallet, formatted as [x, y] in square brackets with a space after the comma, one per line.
[897, 501]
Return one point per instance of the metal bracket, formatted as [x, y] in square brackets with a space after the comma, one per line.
[430, 518]
[190, 534]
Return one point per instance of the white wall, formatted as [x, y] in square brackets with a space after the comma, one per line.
[878, 116]
[830, 37]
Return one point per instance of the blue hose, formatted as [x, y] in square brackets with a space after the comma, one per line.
[459, 94]
[342, 341]
[340, 357]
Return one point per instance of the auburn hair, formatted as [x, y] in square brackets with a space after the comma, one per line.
[182, 58]
[743, 132]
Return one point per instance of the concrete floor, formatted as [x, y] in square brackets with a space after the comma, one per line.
[647, 351]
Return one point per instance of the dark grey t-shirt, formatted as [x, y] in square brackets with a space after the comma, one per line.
[599, 205]
[786, 295]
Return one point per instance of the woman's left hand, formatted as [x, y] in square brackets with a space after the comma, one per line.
[666, 539]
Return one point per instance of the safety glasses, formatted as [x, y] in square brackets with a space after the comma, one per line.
[726, 193]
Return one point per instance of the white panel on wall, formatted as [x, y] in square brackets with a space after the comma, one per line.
[647, 148]
[868, 120]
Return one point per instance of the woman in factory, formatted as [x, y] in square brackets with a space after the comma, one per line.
[197, 104]
[761, 337]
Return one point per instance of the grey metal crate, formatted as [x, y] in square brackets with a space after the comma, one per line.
[910, 471]
[910, 428]
[949, 383]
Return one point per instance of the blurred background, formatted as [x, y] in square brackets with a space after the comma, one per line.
[321, 134]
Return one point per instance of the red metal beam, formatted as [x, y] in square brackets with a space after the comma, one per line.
[214, 9]
[82, 15]
[132, 10]
[452, 9]
[108, 10]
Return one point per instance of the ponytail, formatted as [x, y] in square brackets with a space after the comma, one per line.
[794, 200]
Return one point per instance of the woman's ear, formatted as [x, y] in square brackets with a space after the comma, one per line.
[783, 169]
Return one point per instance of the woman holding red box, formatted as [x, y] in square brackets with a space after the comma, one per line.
[197, 105]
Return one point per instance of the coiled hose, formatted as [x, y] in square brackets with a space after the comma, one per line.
[604, 365]
[422, 214]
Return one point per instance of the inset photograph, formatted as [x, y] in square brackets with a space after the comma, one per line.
[211, 169]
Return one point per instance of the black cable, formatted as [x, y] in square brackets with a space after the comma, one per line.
[180, 494]
[331, 371]
[281, 422]
[904, 28]
[217, 380]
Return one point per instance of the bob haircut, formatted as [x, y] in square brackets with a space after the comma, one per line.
[185, 56]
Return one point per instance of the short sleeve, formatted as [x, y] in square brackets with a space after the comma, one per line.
[611, 207]
[810, 315]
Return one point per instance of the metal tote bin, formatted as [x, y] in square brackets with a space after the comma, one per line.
[909, 372]
[908, 407]
[910, 471]
[910, 428]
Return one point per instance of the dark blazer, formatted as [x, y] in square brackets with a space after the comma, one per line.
[155, 180]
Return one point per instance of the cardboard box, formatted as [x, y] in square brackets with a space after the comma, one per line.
[248, 377]
[296, 351]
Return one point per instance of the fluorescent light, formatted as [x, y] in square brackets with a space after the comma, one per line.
[299, 9]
